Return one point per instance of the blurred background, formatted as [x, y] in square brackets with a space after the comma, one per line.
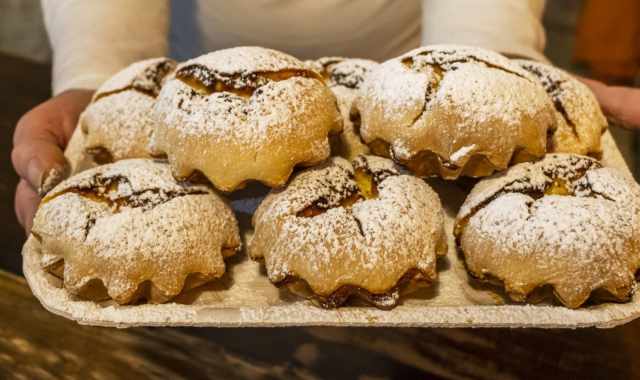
[590, 37]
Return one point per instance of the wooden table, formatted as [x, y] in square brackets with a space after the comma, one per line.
[35, 344]
[23, 84]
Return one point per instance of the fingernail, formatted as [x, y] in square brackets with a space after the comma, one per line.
[34, 173]
[45, 180]
[51, 178]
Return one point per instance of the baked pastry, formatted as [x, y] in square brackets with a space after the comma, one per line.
[343, 229]
[117, 124]
[579, 120]
[565, 221]
[453, 110]
[129, 231]
[345, 76]
[245, 113]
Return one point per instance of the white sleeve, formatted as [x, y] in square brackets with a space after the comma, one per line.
[512, 27]
[92, 39]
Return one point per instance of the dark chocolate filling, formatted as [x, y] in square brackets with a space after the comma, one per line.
[206, 81]
[149, 83]
[554, 89]
[100, 187]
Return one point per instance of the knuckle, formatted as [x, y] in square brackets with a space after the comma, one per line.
[17, 154]
[38, 118]
[24, 125]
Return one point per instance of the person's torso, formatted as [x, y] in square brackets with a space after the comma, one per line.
[375, 29]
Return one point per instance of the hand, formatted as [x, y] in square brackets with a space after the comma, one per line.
[620, 104]
[38, 143]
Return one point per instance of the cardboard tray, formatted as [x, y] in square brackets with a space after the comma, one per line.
[245, 298]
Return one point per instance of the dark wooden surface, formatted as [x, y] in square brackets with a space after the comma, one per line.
[35, 344]
[23, 84]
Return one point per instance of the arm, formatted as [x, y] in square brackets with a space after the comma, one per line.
[512, 27]
[91, 39]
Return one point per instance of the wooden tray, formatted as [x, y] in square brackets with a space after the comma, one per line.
[244, 297]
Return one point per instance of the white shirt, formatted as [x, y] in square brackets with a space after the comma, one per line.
[92, 39]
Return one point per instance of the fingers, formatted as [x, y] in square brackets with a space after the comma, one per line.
[26, 204]
[40, 162]
[620, 104]
[40, 137]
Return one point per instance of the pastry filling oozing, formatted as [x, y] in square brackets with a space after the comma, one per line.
[450, 60]
[105, 190]
[148, 83]
[558, 187]
[108, 191]
[206, 81]
[365, 188]
[557, 184]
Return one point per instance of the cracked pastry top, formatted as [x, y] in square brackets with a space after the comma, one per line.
[117, 123]
[580, 122]
[128, 231]
[346, 229]
[245, 113]
[450, 111]
[345, 77]
[565, 222]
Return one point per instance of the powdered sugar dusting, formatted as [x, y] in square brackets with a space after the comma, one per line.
[343, 72]
[119, 118]
[246, 59]
[144, 76]
[120, 123]
[580, 122]
[462, 152]
[509, 227]
[527, 177]
[349, 245]
[450, 57]
[225, 118]
[442, 98]
[345, 76]
[260, 134]
[130, 222]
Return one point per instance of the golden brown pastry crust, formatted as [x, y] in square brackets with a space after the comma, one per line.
[243, 114]
[117, 124]
[131, 229]
[345, 229]
[345, 76]
[564, 221]
[454, 110]
[580, 122]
